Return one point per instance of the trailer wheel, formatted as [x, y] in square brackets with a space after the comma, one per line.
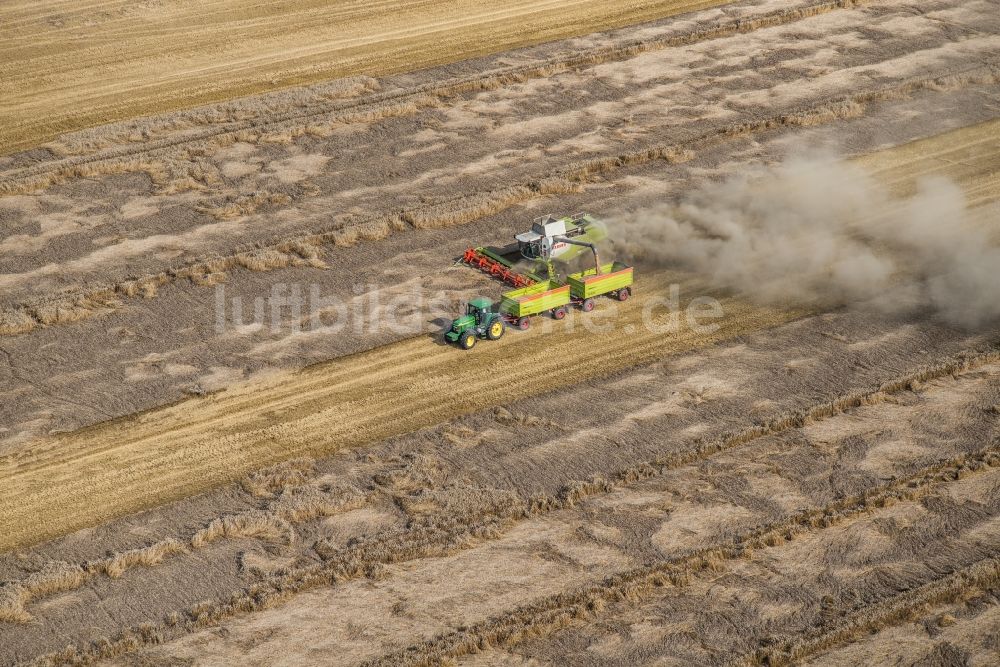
[587, 305]
[496, 330]
[468, 340]
[624, 293]
[523, 323]
[559, 313]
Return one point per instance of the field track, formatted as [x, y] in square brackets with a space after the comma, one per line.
[135, 463]
[181, 54]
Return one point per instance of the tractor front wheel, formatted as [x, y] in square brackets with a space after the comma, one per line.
[587, 305]
[523, 323]
[468, 340]
[624, 293]
[496, 330]
[559, 313]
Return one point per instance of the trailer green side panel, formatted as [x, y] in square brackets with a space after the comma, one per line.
[535, 299]
[588, 284]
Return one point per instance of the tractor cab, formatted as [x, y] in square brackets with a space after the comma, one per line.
[480, 308]
[479, 321]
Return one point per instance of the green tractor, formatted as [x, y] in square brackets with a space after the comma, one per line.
[478, 322]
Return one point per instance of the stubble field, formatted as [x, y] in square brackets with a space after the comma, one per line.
[115, 60]
[808, 479]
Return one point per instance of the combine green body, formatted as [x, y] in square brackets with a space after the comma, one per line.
[588, 284]
[535, 299]
[595, 232]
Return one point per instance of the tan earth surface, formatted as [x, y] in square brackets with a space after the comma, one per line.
[773, 483]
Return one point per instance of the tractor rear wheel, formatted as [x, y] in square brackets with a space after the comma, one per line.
[523, 323]
[587, 305]
[468, 340]
[624, 293]
[496, 330]
[559, 313]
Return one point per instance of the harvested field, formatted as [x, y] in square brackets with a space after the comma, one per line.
[138, 61]
[226, 408]
[402, 387]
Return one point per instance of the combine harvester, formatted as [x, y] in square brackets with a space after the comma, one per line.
[550, 239]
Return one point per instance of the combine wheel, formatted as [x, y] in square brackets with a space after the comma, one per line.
[496, 330]
[624, 293]
[559, 313]
[468, 340]
[587, 305]
[523, 323]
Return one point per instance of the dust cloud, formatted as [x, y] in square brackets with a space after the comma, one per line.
[820, 231]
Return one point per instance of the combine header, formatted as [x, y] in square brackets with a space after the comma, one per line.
[487, 261]
[550, 239]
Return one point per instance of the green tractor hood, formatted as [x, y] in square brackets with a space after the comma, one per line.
[459, 326]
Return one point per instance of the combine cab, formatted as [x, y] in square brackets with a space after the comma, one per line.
[560, 239]
[478, 322]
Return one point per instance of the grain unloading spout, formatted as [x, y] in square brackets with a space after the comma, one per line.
[585, 244]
